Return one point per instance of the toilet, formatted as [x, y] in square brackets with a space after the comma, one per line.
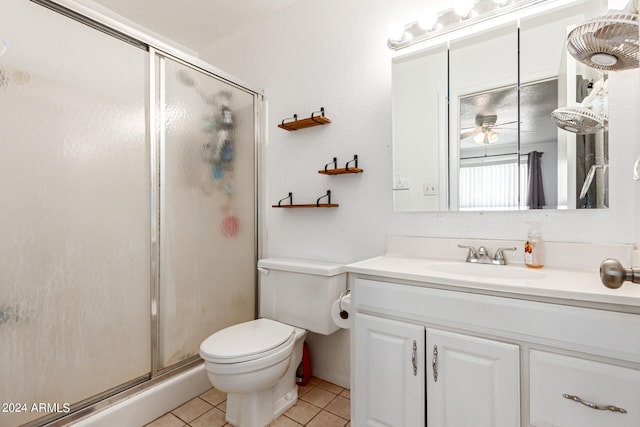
[255, 362]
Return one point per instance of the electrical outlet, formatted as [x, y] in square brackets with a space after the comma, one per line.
[430, 189]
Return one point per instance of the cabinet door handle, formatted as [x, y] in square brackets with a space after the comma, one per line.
[414, 358]
[434, 363]
[594, 406]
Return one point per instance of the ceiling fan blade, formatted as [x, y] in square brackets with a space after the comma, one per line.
[505, 123]
[469, 133]
[511, 128]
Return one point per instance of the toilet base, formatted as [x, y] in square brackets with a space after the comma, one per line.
[259, 408]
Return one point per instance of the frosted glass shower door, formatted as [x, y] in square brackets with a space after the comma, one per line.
[207, 208]
[74, 213]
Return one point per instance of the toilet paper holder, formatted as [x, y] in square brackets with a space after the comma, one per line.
[344, 314]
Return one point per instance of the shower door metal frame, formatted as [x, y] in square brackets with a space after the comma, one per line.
[156, 97]
[155, 49]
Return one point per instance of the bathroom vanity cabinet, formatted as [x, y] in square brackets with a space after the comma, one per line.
[439, 354]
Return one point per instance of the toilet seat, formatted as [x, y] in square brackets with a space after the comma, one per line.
[247, 341]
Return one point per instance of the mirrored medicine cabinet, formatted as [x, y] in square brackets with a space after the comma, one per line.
[472, 125]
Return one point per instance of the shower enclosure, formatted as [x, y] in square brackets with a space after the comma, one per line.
[128, 213]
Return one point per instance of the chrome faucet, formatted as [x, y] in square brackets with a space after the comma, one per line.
[481, 255]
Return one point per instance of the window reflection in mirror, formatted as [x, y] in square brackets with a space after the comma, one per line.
[499, 109]
[489, 170]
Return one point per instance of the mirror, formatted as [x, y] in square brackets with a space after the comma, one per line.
[473, 127]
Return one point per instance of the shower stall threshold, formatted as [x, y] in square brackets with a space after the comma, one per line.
[145, 402]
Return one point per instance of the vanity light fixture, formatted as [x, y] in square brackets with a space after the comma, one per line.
[431, 23]
[395, 31]
[463, 8]
[427, 19]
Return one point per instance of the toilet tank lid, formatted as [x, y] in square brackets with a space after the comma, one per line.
[306, 266]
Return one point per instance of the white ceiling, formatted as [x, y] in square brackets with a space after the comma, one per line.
[195, 24]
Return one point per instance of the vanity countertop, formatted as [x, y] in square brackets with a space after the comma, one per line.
[579, 286]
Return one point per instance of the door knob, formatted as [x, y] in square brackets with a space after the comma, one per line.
[613, 274]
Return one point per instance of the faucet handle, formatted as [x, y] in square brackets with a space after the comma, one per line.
[472, 256]
[499, 258]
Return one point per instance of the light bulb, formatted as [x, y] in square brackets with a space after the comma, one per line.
[492, 137]
[427, 19]
[463, 8]
[395, 31]
[479, 138]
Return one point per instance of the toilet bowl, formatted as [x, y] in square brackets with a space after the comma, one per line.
[255, 362]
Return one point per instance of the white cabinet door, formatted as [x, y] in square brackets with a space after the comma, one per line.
[389, 373]
[568, 391]
[472, 382]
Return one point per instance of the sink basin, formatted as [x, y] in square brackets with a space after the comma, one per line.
[485, 270]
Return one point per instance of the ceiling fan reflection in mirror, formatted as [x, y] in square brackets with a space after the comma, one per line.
[485, 130]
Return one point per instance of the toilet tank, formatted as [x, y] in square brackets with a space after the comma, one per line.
[300, 292]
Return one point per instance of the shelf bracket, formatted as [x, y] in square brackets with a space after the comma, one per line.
[354, 161]
[328, 196]
[289, 197]
[334, 163]
[313, 116]
[293, 119]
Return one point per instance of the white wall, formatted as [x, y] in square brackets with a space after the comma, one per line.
[333, 54]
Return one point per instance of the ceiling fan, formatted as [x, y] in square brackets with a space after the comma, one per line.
[609, 42]
[587, 117]
[485, 130]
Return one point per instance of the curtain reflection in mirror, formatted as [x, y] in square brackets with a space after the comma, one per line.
[535, 193]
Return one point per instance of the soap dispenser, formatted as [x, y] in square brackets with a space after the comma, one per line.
[533, 248]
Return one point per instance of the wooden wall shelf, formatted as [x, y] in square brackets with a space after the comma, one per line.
[309, 205]
[341, 171]
[317, 204]
[314, 120]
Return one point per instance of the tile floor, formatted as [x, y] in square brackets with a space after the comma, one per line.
[320, 404]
